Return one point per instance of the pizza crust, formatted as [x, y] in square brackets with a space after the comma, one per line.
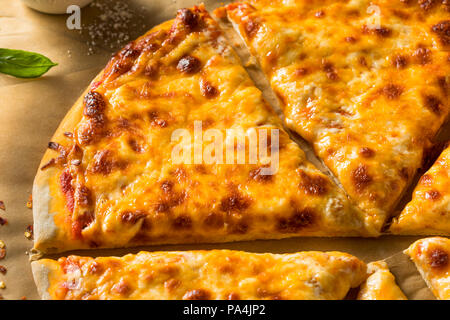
[40, 274]
[45, 229]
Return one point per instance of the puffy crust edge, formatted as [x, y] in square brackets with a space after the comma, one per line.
[41, 277]
[45, 229]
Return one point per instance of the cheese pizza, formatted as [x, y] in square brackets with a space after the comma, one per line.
[429, 210]
[380, 285]
[201, 275]
[110, 177]
[432, 258]
[365, 82]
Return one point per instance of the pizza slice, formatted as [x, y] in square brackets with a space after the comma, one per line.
[429, 210]
[200, 275]
[432, 258]
[380, 284]
[365, 82]
[142, 157]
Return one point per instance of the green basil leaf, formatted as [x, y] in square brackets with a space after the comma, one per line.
[24, 64]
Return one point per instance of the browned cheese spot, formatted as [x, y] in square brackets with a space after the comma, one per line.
[182, 222]
[432, 195]
[189, 65]
[380, 31]
[135, 146]
[208, 90]
[400, 62]
[91, 130]
[299, 220]
[426, 180]
[300, 72]
[132, 217]
[422, 55]
[366, 152]
[240, 227]
[257, 175]
[197, 294]
[156, 120]
[442, 29]
[361, 177]
[188, 18]
[151, 71]
[444, 85]
[426, 4]
[234, 203]
[214, 220]
[167, 186]
[172, 284]
[392, 91]
[330, 70]
[438, 258]
[94, 104]
[313, 185]
[121, 288]
[433, 104]
[103, 164]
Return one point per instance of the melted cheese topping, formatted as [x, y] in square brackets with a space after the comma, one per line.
[432, 258]
[203, 275]
[380, 285]
[366, 82]
[119, 186]
[429, 210]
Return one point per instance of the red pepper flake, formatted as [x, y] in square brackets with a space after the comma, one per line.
[2, 253]
[2, 205]
[3, 269]
[29, 232]
[23, 298]
[3, 221]
[30, 202]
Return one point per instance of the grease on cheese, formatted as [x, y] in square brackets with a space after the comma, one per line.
[429, 210]
[204, 275]
[366, 82]
[432, 258]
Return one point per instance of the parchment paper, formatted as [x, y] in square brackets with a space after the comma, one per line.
[31, 110]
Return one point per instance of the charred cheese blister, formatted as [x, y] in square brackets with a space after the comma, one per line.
[365, 82]
[429, 210]
[110, 179]
[432, 258]
[201, 275]
[380, 285]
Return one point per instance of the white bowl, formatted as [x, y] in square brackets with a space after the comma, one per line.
[54, 6]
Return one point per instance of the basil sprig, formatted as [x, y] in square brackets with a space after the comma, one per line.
[24, 64]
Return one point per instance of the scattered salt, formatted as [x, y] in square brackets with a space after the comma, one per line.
[111, 28]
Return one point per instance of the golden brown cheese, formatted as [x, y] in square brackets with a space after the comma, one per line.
[380, 285]
[114, 183]
[365, 82]
[432, 258]
[429, 210]
[201, 275]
